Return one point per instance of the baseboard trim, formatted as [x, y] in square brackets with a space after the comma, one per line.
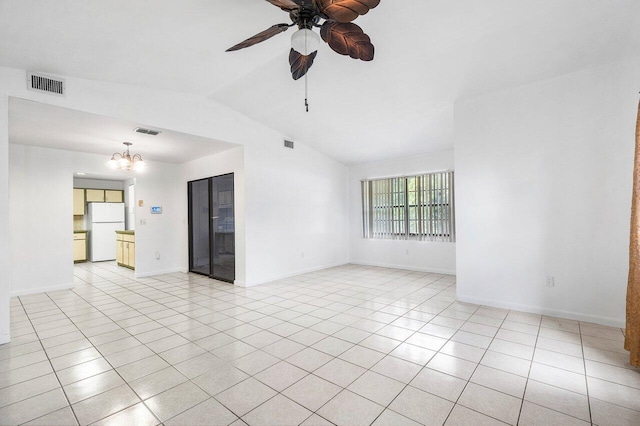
[26, 292]
[405, 267]
[577, 316]
[4, 338]
[292, 274]
[153, 273]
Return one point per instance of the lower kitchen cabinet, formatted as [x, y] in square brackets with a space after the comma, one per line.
[126, 249]
[79, 247]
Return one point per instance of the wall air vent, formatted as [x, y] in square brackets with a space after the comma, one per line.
[39, 82]
[288, 144]
[147, 131]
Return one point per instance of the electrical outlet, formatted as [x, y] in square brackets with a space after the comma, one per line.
[551, 281]
[407, 251]
[302, 255]
[157, 255]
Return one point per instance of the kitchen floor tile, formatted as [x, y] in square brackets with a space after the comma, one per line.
[564, 401]
[439, 384]
[422, 407]
[281, 375]
[499, 380]
[138, 415]
[391, 418]
[92, 386]
[492, 403]
[279, 411]
[376, 387]
[61, 417]
[103, 405]
[534, 415]
[176, 400]
[245, 396]
[27, 389]
[309, 359]
[462, 416]
[181, 339]
[347, 408]
[32, 408]
[340, 372]
[312, 392]
[604, 413]
[207, 413]
[218, 380]
[157, 382]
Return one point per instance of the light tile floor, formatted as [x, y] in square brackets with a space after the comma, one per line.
[351, 345]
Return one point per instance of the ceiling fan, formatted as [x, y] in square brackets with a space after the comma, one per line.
[338, 30]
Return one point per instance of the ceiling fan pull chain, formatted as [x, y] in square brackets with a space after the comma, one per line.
[306, 92]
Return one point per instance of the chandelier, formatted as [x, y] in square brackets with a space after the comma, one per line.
[126, 161]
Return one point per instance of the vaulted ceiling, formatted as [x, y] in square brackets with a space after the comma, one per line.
[429, 54]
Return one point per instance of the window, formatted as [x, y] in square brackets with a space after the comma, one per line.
[411, 207]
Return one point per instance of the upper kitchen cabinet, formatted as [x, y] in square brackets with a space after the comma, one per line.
[78, 201]
[95, 195]
[105, 196]
[112, 196]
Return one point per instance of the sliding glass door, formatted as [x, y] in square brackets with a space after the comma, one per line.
[212, 227]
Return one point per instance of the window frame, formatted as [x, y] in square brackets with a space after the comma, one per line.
[433, 204]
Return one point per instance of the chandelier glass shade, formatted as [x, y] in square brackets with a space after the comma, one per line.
[126, 161]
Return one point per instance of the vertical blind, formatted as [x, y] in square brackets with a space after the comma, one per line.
[412, 207]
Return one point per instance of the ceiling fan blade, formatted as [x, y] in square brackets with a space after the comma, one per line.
[348, 39]
[287, 5]
[300, 63]
[260, 37]
[345, 10]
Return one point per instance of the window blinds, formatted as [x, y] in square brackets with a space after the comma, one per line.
[412, 207]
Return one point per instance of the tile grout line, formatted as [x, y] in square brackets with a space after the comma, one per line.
[52, 369]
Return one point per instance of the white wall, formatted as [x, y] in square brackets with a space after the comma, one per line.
[414, 255]
[40, 219]
[543, 188]
[5, 278]
[98, 184]
[296, 211]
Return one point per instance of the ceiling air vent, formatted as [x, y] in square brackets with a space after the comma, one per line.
[45, 83]
[288, 144]
[147, 131]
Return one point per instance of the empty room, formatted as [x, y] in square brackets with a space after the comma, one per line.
[319, 212]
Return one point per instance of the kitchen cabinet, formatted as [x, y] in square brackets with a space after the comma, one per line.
[95, 195]
[113, 196]
[104, 195]
[126, 249]
[78, 202]
[79, 246]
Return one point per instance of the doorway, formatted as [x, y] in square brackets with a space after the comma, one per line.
[212, 227]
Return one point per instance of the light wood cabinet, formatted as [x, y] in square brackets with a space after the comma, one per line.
[95, 195]
[113, 196]
[79, 247]
[126, 250]
[78, 202]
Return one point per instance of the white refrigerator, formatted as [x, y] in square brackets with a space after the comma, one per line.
[104, 220]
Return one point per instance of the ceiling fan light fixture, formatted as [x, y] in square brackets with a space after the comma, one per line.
[305, 41]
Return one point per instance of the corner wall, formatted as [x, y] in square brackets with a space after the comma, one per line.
[5, 251]
[543, 189]
[439, 257]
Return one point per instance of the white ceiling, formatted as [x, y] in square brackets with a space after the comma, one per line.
[429, 54]
[33, 123]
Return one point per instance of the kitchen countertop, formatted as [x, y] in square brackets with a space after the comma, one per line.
[126, 232]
